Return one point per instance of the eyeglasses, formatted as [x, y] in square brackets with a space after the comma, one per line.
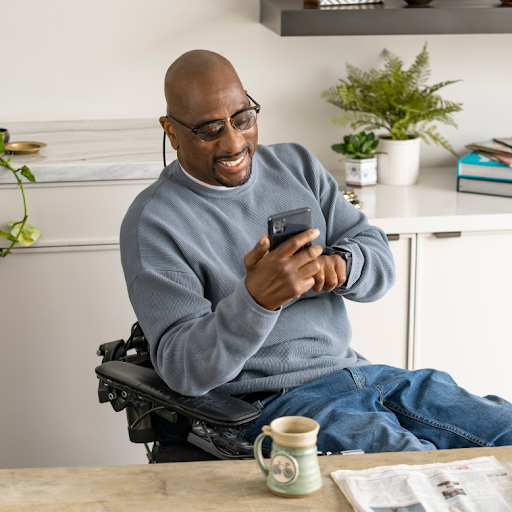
[212, 130]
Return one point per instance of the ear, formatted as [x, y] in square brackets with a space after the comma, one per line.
[170, 130]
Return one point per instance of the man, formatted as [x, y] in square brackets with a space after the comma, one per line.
[221, 312]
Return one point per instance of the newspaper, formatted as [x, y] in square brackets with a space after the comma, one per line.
[481, 484]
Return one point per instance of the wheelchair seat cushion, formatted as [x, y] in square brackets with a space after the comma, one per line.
[214, 408]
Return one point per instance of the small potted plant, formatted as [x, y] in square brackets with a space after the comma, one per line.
[360, 160]
[398, 101]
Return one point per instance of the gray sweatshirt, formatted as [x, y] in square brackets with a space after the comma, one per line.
[182, 250]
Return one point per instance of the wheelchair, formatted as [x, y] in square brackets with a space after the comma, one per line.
[213, 421]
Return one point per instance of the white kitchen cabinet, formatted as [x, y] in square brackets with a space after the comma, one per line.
[381, 330]
[463, 309]
[58, 305]
[68, 213]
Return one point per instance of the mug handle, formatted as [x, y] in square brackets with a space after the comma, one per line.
[257, 450]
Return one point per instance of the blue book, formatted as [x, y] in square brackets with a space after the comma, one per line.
[476, 165]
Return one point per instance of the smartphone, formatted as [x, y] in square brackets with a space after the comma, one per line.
[283, 226]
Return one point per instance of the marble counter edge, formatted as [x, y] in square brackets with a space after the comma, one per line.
[88, 172]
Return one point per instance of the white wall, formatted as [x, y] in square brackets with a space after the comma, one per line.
[101, 60]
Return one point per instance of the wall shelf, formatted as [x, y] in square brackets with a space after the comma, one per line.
[394, 17]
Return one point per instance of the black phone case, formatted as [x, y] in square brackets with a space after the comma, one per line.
[282, 226]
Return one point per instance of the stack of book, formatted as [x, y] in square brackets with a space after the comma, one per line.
[488, 170]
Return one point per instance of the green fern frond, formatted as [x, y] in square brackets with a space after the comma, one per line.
[432, 133]
[420, 70]
[434, 88]
[394, 99]
[342, 118]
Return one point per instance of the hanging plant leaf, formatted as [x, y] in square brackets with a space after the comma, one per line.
[25, 171]
[7, 235]
[28, 235]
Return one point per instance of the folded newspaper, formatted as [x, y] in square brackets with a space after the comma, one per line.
[481, 484]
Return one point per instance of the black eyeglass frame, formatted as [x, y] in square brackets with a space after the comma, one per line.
[195, 129]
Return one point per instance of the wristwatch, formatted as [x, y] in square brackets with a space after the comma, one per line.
[347, 256]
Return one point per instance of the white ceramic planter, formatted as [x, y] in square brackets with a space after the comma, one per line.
[401, 164]
[361, 172]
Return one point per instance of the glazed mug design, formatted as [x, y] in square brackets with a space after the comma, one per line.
[294, 470]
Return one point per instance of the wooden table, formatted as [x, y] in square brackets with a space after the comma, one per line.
[192, 486]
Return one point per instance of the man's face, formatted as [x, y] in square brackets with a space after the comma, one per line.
[227, 160]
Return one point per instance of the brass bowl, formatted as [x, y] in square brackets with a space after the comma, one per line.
[25, 147]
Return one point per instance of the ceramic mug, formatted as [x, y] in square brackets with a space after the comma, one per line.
[294, 470]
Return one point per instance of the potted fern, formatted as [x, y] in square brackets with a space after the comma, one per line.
[398, 101]
[360, 159]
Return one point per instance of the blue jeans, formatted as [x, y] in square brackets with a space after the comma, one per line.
[379, 408]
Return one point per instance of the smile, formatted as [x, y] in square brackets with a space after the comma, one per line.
[232, 163]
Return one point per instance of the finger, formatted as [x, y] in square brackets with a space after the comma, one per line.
[308, 284]
[291, 246]
[311, 269]
[331, 277]
[341, 270]
[255, 255]
[319, 280]
[309, 254]
[305, 286]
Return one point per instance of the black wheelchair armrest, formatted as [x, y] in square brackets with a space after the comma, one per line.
[214, 408]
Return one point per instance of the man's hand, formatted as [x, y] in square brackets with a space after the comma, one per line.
[283, 274]
[333, 273]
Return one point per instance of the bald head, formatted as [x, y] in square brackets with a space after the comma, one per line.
[202, 87]
[192, 75]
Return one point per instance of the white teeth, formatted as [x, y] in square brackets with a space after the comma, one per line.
[234, 163]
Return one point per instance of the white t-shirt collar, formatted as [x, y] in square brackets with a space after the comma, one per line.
[207, 185]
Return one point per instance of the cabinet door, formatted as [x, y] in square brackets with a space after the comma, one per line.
[381, 330]
[57, 308]
[71, 213]
[463, 309]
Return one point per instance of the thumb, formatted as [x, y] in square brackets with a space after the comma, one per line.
[255, 255]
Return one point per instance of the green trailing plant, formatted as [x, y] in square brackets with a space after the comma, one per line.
[394, 99]
[21, 232]
[358, 147]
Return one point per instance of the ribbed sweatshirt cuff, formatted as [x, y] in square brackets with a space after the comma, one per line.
[243, 294]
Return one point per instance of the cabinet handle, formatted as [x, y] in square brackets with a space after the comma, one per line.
[392, 238]
[448, 234]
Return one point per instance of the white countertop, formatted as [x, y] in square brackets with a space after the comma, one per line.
[432, 205]
[126, 150]
[91, 150]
